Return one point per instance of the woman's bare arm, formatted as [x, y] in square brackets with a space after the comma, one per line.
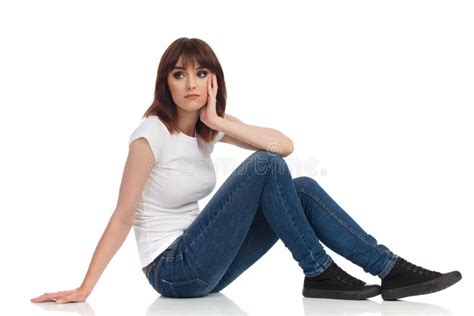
[253, 137]
[136, 172]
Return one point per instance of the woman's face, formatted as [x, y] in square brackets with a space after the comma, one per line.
[188, 81]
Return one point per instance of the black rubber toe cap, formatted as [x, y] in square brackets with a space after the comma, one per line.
[440, 283]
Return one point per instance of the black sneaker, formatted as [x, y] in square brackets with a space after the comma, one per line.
[337, 284]
[407, 279]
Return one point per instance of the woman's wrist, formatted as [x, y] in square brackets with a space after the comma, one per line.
[218, 123]
[85, 290]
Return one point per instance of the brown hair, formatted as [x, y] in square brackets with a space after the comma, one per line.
[191, 50]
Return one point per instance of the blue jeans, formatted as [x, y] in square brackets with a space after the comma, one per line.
[258, 204]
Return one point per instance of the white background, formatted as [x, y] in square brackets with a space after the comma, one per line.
[376, 96]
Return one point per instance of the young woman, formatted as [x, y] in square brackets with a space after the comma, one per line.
[186, 252]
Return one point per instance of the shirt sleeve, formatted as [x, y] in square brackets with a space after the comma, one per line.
[215, 140]
[152, 132]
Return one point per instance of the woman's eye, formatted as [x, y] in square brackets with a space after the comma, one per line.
[203, 72]
[178, 74]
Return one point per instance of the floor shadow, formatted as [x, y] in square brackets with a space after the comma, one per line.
[316, 306]
[212, 304]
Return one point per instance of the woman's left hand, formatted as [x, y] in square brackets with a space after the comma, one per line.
[76, 295]
[207, 113]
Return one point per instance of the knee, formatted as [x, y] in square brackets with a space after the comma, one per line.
[267, 158]
[263, 162]
[305, 182]
[265, 154]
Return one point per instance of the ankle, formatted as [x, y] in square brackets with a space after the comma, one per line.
[326, 274]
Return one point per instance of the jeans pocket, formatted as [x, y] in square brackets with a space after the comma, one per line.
[188, 288]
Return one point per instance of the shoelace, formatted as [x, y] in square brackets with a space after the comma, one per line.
[346, 277]
[415, 268]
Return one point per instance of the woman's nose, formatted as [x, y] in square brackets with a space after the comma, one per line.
[191, 83]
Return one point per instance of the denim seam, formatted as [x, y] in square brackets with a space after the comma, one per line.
[330, 212]
[173, 246]
[157, 271]
[170, 286]
[201, 283]
[291, 219]
[323, 268]
[218, 213]
[229, 196]
[232, 193]
[388, 267]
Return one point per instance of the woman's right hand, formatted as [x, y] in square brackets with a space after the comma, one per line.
[76, 295]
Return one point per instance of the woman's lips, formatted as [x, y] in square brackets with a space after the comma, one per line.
[192, 97]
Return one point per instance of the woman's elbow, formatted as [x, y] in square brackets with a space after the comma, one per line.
[288, 148]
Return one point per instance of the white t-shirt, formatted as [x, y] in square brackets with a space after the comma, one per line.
[183, 174]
